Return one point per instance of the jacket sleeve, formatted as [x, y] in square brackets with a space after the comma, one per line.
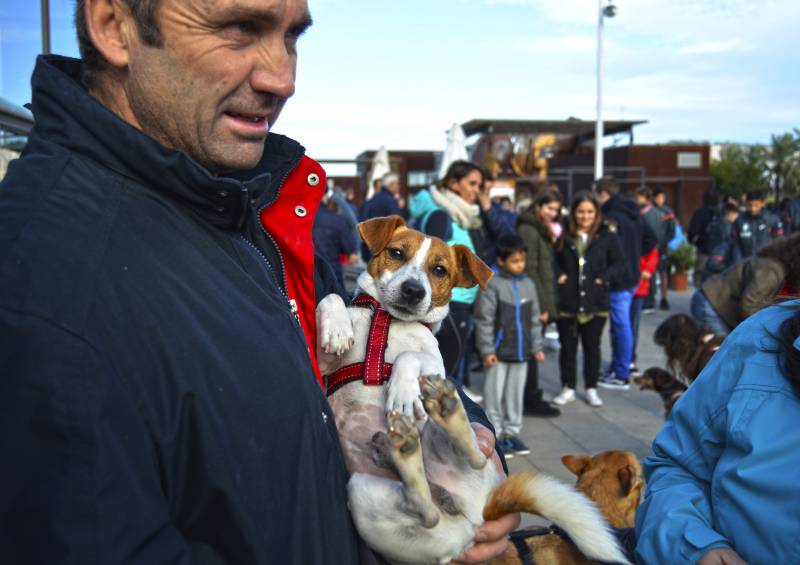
[617, 262]
[762, 286]
[495, 223]
[674, 523]
[537, 341]
[81, 483]
[485, 314]
[539, 267]
[649, 237]
[649, 262]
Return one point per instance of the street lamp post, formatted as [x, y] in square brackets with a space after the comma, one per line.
[608, 11]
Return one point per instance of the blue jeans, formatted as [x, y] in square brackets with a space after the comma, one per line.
[636, 316]
[704, 312]
[621, 334]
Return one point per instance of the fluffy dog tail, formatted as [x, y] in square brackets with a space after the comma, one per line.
[569, 509]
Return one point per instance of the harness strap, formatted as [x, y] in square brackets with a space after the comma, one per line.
[374, 370]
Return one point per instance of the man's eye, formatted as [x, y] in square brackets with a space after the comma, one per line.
[243, 26]
[395, 253]
[439, 271]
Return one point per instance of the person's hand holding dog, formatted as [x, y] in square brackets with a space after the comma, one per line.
[491, 539]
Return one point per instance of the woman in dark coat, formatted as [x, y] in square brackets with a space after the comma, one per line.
[589, 259]
[534, 227]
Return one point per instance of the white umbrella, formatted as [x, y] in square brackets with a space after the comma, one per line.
[456, 149]
[380, 167]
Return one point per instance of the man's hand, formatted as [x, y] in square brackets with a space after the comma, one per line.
[646, 275]
[544, 317]
[491, 539]
[562, 279]
[539, 356]
[721, 557]
[490, 360]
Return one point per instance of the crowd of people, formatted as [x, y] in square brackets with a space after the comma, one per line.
[160, 400]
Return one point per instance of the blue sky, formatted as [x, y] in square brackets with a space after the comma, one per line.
[375, 72]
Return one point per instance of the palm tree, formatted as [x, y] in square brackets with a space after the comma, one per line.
[783, 164]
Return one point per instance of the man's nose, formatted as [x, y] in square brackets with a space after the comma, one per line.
[274, 71]
[412, 291]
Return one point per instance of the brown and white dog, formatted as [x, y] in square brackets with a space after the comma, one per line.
[419, 482]
[612, 479]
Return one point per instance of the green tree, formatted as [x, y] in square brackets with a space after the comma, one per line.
[741, 168]
[782, 164]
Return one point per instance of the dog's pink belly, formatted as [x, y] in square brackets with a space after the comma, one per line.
[357, 423]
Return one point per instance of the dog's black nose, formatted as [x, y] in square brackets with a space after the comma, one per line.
[413, 292]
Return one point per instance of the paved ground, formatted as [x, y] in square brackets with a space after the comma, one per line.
[628, 420]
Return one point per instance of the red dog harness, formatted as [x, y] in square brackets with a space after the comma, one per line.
[374, 370]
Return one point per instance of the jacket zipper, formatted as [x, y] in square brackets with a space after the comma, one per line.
[292, 303]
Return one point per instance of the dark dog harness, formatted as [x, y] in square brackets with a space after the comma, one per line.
[625, 536]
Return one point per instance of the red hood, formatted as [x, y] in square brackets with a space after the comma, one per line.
[289, 221]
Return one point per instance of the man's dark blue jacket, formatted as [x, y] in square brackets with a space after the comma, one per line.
[157, 401]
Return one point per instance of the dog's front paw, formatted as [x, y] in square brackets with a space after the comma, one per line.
[335, 329]
[404, 397]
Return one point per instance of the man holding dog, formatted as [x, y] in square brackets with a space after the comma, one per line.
[158, 399]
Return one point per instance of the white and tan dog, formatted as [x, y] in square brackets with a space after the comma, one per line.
[419, 482]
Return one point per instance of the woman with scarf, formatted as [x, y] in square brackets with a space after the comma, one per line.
[459, 211]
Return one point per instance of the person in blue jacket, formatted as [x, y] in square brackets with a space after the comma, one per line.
[722, 482]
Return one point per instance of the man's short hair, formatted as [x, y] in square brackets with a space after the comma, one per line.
[730, 208]
[755, 195]
[389, 178]
[509, 243]
[645, 192]
[608, 185]
[145, 14]
[657, 191]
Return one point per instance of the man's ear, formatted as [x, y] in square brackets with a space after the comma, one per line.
[377, 232]
[111, 29]
[471, 270]
[577, 464]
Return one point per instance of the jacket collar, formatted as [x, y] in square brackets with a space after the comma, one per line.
[66, 114]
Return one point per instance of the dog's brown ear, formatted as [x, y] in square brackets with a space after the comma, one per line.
[377, 232]
[628, 479]
[577, 464]
[471, 269]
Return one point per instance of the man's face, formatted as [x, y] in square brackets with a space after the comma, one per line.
[221, 77]
[659, 199]
[640, 200]
[754, 207]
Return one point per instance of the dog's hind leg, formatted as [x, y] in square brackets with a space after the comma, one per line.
[443, 405]
[406, 454]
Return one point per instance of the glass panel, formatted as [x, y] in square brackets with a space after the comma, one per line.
[62, 29]
[20, 42]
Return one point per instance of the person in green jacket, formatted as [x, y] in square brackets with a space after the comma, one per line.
[534, 227]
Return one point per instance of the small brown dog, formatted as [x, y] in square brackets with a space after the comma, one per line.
[662, 381]
[613, 480]
[688, 345]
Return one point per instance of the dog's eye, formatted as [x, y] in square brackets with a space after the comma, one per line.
[439, 271]
[395, 253]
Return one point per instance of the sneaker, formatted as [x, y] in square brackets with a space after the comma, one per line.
[635, 372]
[505, 449]
[565, 396]
[516, 445]
[613, 382]
[593, 398]
[648, 311]
[472, 395]
[664, 305]
[542, 410]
